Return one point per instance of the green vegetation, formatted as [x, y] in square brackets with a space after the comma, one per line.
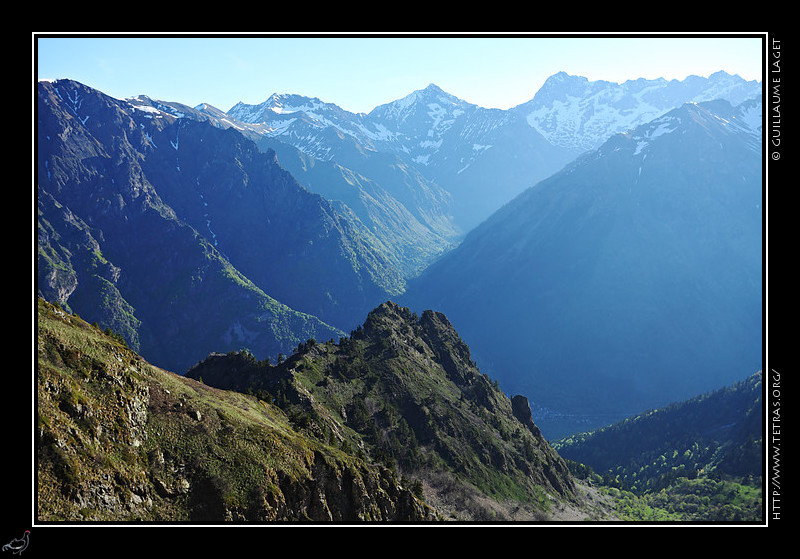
[402, 391]
[362, 430]
[698, 460]
[366, 429]
[692, 500]
[118, 439]
[701, 499]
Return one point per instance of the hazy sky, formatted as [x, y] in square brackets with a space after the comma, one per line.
[360, 73]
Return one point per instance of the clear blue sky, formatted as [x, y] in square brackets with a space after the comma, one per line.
[361, 73]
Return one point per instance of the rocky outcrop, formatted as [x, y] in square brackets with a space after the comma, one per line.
[335, 494]
[522, 411]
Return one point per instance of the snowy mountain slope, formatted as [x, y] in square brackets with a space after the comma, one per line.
[483, 157]
[468, 161]
[578, 114]
[425, 123]
[743, 122]
[413, 126]
[307, 123]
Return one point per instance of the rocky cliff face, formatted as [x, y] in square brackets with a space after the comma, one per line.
[119, 440]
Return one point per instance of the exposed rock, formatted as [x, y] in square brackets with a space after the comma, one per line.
[522, 411]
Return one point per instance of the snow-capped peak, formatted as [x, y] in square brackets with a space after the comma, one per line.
[578, 114]
[289, 104]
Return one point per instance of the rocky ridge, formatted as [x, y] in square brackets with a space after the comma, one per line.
[404, 391]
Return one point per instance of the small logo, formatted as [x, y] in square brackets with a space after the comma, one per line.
[18, 545]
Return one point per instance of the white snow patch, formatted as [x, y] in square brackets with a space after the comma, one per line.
[145, 109]
[664, 125]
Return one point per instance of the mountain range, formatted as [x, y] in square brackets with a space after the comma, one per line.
[596, 251]
[461, 147]
[148, 212]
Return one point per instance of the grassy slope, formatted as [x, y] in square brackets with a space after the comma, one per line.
[118, 439]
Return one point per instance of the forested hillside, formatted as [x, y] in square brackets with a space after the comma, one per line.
[700, 459]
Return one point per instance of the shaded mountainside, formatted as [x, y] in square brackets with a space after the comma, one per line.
[406, 217]
[311, 255]
[146, 224]
[410, 226]
[404, 390]
[630, 279]
[120, 440]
